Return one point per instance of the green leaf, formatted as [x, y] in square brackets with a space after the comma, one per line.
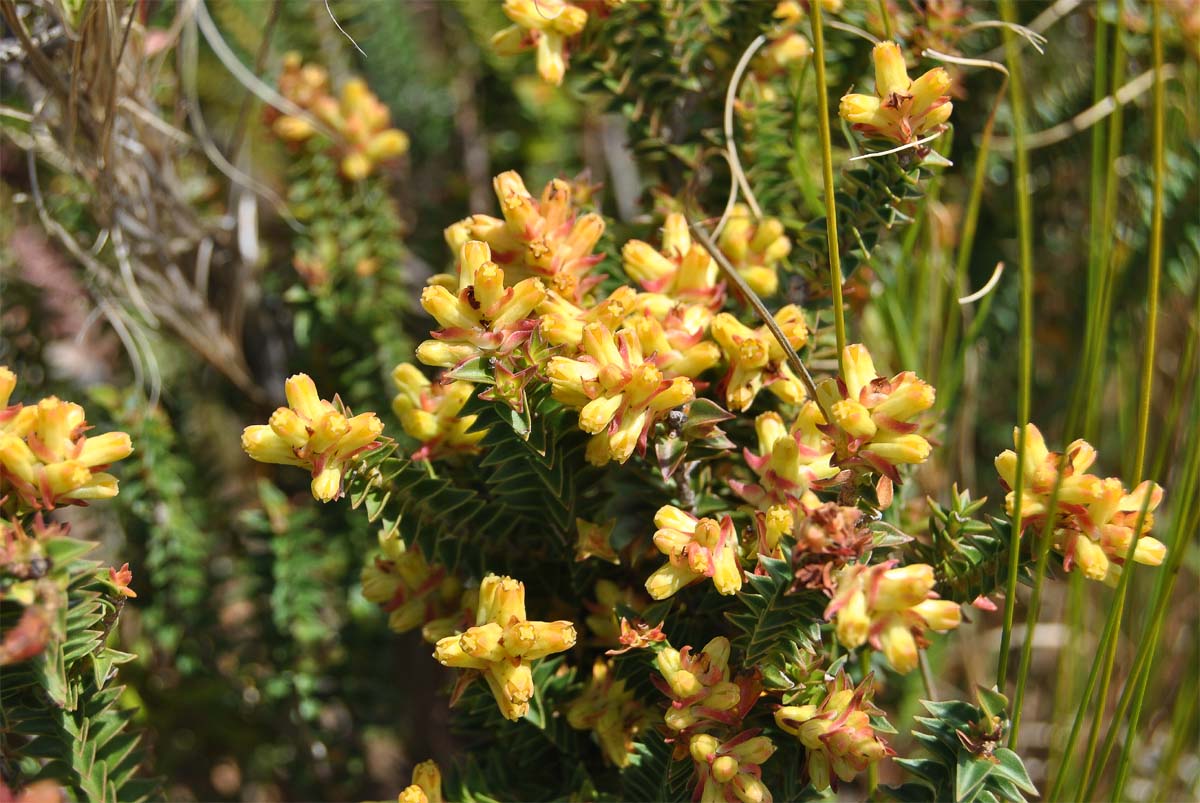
[971, 774]
[1013, 769]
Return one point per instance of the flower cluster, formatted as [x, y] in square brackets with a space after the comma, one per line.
[619, 393]
[789, 464]
[755, 249]
[360, 122]
[544, 237]
[695, 549]
[407, 587]
[429, 413]
[544, 26]
[837, 734]
[46, 457]
[610, 711]
[1096, 518]
[901, 110]
[757, 360]
[890, 607]
[731, 770]
[872, 416]
[700, 688]
[503, 642]
[312, 433]
[682, 269]
[484, 318]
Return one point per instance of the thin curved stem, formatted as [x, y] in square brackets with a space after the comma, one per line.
[735, 164]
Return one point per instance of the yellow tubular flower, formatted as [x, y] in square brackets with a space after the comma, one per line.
[837, 734]
[683, 270]
[503, 643]
[891, 608]
[543, 237]
[610, 711]
[731, 770]
[314, 434]
[872, 416]
[430, 414]
[756, 359]
[789, 463]
[755, 249]
[426, 785]
[901, 110]
[407, 587]
[695, 548]
[544, 26]
[46, 460]
[1096, 518]
[485, 318]
[620, 394]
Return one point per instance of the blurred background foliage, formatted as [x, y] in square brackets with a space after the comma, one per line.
[160, 281]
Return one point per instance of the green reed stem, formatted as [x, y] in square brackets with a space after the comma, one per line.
[1101, 270]
[1035, 601]
[1184, 526]
[1145, 391]
[1024, 394]
[1077, 725]
[1146, 649]
[831, 228]
[1096, 239]
[1098, 339]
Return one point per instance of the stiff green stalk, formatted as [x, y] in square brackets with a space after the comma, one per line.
[1035, 601]
[1156, 236]
[1146, 386]
[1096, 240]
[1186, 521]
[1147, 649]
[1024, 394]
[831, 228]
[1107, 259]
[1077, 725]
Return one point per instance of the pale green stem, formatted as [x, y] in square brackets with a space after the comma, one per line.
[1024, 394]
[1156, 236]
[831, 228]
[1146, 389]
[1107, 258]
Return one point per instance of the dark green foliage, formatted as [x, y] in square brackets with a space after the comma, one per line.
[536, 758]
[665, 66]
[60, 717]
[160, 514]
[965, 760]
[348, 309]
[653, 775]
[969, 557]
[408, 498]
[776, 626]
